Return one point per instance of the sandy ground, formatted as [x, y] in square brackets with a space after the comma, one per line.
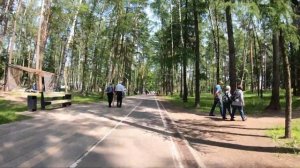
[227, 143]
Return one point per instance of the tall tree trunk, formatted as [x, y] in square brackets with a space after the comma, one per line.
[296, 51]
[181, 45]
[185, 87]
[66, 48]
[7, 5]
[197, 57]
[216, 40]
[288, 90]
[274, 103]
[293, 68]
[84, 66]
[244, 60]
[42, 37]
[11, 46]
[172, 54]
[232, 66]
[297, 75]
[251, 66]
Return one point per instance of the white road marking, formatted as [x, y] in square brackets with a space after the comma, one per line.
[174, 150]
[75, 164]
[192, 150]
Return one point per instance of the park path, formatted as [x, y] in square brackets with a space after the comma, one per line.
[237, 143]
[140, 134]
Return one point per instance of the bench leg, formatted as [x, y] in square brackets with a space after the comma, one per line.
[43, 106]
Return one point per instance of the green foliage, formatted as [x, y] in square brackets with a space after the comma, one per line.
[278, 132]
[83, 99]
[9, 106]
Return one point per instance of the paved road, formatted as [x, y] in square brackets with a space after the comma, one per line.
[140, 134]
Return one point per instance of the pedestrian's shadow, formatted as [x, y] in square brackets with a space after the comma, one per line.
[243, 147]
[216, 119]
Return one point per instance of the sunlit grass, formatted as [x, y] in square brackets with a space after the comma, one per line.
[278, 132]
[8, 111]
[82, 99]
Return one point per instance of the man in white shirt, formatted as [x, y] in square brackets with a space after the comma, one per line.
[119, 91]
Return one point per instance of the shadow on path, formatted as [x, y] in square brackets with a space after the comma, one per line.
[243, 147]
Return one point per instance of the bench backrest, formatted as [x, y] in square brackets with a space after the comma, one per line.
[55, 95]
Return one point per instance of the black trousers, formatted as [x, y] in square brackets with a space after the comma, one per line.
[110, 98]
[119, 98]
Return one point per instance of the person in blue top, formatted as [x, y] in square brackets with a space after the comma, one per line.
[217, 99]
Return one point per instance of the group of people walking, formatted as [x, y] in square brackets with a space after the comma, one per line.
[228, 102]
[118, 90]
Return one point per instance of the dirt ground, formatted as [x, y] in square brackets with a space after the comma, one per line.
[237, 143]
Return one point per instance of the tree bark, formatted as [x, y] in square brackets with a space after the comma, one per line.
[251, 66]
[288, 90]
[215, 34]
[172, 54]
[274, 103]
[11, 46]
[185, 87]
[4, 18]
[231, 47]
[84, 66]
[66, 48]
[42, 37]
[197, 57]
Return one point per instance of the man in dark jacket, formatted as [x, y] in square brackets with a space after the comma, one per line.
[110, 94]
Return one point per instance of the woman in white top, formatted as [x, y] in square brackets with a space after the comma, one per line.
[119, 89]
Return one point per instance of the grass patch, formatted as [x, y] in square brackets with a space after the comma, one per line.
[8, 109]
[82, 99]
[8, 117]
[278, 132]
[206, 100]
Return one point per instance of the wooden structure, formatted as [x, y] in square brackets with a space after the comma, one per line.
[50, 98]
[15, 72]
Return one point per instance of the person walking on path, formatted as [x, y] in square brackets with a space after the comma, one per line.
[217, 100]
[226, 102]
[110, 94]
[119, 91]
[238, 103]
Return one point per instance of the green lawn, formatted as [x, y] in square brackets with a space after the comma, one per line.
[278, 132]
[8, 109]
[81, 99]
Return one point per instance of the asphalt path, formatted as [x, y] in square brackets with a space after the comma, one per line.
[140, 134]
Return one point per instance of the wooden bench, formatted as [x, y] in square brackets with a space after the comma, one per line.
[50, 98]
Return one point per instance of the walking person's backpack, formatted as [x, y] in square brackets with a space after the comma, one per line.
[226, 99]
[109, 89]
[236, 95]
